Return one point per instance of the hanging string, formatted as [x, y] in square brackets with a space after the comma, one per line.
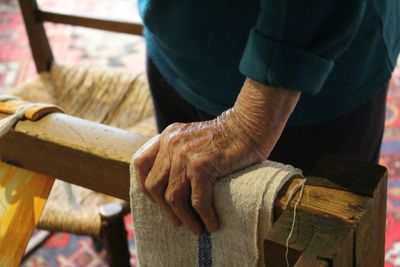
[293, 222]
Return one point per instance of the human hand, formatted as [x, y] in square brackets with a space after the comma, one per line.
[178, 169]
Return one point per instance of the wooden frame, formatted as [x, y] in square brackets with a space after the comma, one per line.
[68, 148]
[341, 218]
[41, 50]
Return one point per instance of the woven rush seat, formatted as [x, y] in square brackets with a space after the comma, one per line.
[60, 216]
[101, 95]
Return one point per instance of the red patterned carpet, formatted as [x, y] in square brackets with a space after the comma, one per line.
[127, 52]
[390, 157]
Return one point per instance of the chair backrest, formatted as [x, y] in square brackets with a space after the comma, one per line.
[34, 18]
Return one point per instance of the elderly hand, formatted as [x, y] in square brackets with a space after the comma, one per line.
[177, 170]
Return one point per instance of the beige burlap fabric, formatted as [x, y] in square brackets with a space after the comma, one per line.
[244, 202]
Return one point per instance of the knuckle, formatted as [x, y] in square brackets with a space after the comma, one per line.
[186, 149]
[172, 127]
[172, 135]
[172, 198]
[173, 140]
[201, 169]
[177, 125]
[151, 187]
[198, 166]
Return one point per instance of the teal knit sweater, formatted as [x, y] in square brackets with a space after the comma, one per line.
[338, 53]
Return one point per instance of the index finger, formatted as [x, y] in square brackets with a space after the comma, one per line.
[144, 159]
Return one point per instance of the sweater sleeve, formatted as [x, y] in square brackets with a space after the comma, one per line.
[294, 43]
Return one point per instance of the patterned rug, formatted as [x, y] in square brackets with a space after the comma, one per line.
[74, 44]
[390, 157]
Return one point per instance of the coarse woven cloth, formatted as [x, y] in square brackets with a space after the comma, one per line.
[244, 203]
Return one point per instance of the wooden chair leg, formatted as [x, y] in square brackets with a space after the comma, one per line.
[114, 235]
[39, 43]
[97, 243]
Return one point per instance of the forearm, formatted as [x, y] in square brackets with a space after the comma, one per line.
[261, 113]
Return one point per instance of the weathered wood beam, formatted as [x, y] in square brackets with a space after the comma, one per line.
[367, 180]
[342, 194]
[78, 151]
[97, 157]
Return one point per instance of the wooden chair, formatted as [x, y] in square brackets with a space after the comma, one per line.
[100, 95]
[340, 219]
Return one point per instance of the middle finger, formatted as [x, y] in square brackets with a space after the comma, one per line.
[178, 197]
[156, 184]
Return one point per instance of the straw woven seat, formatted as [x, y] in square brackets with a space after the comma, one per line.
[101, 95]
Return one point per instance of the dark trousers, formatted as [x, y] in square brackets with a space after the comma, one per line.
[357, 134]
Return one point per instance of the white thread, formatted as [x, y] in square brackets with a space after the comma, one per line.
[293, 223]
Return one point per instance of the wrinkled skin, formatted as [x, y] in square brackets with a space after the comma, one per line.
[177, 170]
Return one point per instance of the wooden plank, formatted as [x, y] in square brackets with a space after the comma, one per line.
[95, 23]
[98, 157]
[81, 152]
[372, 182]
[274, 254]
[343, 205]
[23, 195]
[310, 255]
[370, 234]
[321, 251]
[88, 159]
[315, 238]
[332, 192]
[38, 41]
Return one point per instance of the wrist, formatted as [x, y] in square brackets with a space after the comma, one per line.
[240, 145]
[260, 114]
